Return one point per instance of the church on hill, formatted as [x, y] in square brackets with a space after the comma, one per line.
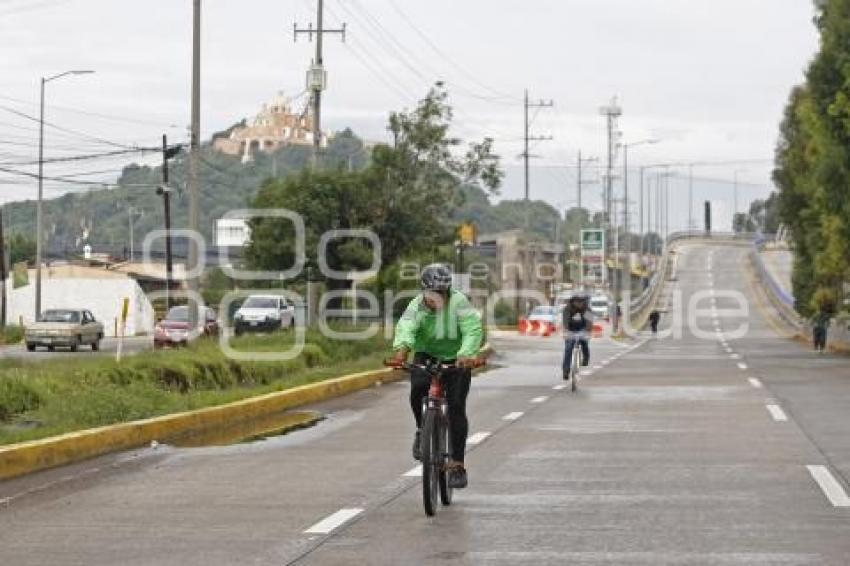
[275, 126]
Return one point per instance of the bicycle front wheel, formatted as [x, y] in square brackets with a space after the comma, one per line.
[431, 461]
[445, 454]
[575, 368]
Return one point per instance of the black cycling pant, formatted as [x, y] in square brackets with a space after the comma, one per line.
[820, 338]
[456, 384]
[569, 344]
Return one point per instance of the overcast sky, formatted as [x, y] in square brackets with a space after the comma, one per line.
[709, 78]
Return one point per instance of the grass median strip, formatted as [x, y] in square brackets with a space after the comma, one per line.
[39, 400]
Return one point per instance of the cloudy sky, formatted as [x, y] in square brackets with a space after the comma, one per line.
[708, 78]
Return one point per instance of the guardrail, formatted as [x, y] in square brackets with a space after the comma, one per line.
[780, 298]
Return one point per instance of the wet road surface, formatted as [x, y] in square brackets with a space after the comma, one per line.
[708, 448]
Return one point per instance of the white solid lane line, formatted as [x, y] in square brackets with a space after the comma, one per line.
[541, 399]
[777, 413]
[512, 416]
[559, 387]
[755, 382]
[830, 486]
[742, 366]
[414, 473]
[332, 522]
[477, 438]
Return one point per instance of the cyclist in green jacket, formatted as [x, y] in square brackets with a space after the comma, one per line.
[440, 324]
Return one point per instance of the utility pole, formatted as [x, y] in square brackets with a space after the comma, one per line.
[581, 182]
[611, 112]
[666, 206]
[3, 274]
[690, 197]
[527, 137]
[194, 167]
[130, 212]
[647, 202]
[658, 208]
[317, 77]
[165, 191]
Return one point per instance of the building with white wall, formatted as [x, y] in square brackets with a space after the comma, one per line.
[97, 289]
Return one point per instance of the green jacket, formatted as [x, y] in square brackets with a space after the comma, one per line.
[450, 333]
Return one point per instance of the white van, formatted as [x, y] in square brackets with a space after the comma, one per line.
[600, 306]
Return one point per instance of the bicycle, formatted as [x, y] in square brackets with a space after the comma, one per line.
[575, 356]
[435, 439]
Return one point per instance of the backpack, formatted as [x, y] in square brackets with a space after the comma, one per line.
[574, 319]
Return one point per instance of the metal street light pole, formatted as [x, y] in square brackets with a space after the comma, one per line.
[38, 207]
[626, 272]
[735, 196]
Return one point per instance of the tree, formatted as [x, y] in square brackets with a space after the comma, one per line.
[813, 165]
[406, 195]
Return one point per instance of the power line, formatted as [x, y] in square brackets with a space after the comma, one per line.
[87, 156]
[452, 62]
[63, 129]
[158, 124]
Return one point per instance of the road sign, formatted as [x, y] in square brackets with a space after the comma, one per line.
[466, 234]
[592, 257]
[592, 240]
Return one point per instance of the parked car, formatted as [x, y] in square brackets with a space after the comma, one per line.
[173, 330]
[264, 313]
[543, 320]
[69, 328]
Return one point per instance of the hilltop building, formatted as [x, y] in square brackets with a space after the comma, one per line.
[275, 126]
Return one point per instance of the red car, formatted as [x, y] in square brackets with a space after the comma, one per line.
[173, 330]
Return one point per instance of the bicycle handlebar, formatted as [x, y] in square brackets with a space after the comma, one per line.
[440, 366]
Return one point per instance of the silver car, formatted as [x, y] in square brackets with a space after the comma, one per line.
[68, 328]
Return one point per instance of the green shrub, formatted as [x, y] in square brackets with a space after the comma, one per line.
[73, 393]
[16, 397]
[12, 334]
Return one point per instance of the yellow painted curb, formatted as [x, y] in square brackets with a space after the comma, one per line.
[28, 457]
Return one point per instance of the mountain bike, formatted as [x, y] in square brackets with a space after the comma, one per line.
[435, 439]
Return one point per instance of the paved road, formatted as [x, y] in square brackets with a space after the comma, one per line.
[675, 451]
[108, 346]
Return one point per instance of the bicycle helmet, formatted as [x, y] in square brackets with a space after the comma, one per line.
[436, 277]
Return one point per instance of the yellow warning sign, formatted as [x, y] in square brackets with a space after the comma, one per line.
[466, 234]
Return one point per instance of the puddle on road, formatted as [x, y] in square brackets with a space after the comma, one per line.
[252, 430]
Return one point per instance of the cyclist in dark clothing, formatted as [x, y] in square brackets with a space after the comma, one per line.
[577, 320]
[654, 317]
[819, 330]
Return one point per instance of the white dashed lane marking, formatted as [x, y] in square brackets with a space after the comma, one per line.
[777, 413]
[414, 473]
[755, 382]
[830, 486]
[513, 416]
[333, 522]
[559, 387]
[541, 399]
[742, 366]
[477, 438]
